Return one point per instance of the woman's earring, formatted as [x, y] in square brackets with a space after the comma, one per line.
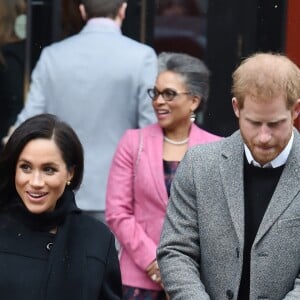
[68, 182]
[193, 116]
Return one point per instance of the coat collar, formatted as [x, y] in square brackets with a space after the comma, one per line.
[286, 190]
[101, 25]
[196, 134]
[231, 169]
[154, 148]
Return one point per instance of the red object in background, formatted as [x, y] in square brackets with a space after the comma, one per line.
[292, 48]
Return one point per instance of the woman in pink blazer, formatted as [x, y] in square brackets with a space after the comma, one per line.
[144, 165]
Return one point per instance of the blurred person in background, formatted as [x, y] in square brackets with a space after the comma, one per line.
[143, 168]
[12, 61]
[97, 81]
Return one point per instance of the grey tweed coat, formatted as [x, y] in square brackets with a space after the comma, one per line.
[201, 249]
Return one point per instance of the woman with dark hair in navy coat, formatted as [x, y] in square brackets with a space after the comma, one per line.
[48, 248]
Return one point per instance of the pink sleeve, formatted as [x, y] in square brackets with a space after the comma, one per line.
[119, 203]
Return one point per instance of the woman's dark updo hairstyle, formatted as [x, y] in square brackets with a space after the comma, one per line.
[45, 126]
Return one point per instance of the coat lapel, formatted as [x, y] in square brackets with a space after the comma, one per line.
[108, 26]
[287, 189]
[231, 170]
[154, 148]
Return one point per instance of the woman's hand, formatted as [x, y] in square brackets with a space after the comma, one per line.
[154, 273]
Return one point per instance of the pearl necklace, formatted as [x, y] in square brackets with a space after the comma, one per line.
[176, 142]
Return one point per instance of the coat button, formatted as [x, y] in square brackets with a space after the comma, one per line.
[49, 246]
[229, 294]
[263, 254]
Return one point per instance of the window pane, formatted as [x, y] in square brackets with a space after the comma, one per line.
[180, 26]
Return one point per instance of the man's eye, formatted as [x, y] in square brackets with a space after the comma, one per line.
[274, 125]
[255, 123]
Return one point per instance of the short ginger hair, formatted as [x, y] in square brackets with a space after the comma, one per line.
[265, 76]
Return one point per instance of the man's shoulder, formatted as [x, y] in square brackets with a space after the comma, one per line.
[135, 43]
[215, 144]
[59, 47]
[64, 42]
[92, 42]
[132, 48]
[222, 145]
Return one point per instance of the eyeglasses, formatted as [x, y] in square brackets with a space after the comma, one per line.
[167, 94]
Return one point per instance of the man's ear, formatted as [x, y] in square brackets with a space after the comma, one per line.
[122, 11]
[296, 109]
[235, 106]
[82, 12]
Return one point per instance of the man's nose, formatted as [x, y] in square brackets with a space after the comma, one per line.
[265, 134]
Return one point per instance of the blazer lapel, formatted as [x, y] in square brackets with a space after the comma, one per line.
[285, 192]
[231, 169]
[154, 146]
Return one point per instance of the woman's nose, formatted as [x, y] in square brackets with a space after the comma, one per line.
[160, 99]
[36, 179]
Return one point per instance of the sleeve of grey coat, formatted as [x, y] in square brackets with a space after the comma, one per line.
[294, 294]
[146, 77]
[179, 249]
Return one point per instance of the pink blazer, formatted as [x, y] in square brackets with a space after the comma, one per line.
[136, 199]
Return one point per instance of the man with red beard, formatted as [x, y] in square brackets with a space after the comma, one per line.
[233, 219]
